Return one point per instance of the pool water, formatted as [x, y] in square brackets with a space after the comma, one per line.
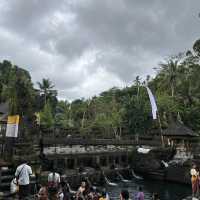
[166, 190]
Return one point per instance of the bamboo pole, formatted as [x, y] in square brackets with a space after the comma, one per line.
[161, 131]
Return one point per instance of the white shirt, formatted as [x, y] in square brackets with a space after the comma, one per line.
[107, 196]
[193, 172]
[61, 196]
[24, 171]
[54, 177]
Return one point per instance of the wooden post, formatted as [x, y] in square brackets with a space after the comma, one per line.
[0, 175]
[161, 132]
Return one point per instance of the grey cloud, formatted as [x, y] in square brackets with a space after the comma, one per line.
[22, 15]
[132, 23]
[73, 45]
[55, 39]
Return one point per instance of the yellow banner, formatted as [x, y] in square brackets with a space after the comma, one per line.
[14, 119]
[12, 126]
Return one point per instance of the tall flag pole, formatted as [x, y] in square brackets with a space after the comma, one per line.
[154, 110]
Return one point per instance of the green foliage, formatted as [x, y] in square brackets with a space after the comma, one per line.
[167, 104]
[138, 112]
[176, 87]
[17, 89]
[63, 115]
[46, 117]
[191, 116]
[169, 71]
[109, 113]
[47, 93]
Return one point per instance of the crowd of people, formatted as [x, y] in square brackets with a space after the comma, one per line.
[58, 188]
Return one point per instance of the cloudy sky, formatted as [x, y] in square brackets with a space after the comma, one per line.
[88, 46]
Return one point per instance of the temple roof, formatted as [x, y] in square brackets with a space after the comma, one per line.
[179, 129]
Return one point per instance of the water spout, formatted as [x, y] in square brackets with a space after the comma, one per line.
[135, 176]
[108, 182]
[122, 178]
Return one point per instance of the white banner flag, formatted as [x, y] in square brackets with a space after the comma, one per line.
[12, 126]
[153, 103]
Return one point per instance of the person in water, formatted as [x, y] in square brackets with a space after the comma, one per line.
[104, 195]
[194, 180]
[197, 182]
[155, 196]
[140, 194]
[124, 195]
[81, 191]
[65, 187]
[42, 194]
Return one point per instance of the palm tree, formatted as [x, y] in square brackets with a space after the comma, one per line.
[137, 84]
[170, 71]
[46, 88]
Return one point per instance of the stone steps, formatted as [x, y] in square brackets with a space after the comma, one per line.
[6, 176]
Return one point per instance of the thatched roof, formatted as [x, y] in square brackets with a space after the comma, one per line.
[179, 129]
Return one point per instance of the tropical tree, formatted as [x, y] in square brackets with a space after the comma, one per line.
[46, 117]
[137, 84]
[46, 89]
[170, 73]
[17, 89]
[137, 112]
[63, 115]
[168, 108]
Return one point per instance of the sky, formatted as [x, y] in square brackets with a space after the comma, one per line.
[88, 46]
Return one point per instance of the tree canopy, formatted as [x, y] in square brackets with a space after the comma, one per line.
[176, 87]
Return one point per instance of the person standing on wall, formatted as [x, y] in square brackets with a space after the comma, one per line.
[22, 175]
